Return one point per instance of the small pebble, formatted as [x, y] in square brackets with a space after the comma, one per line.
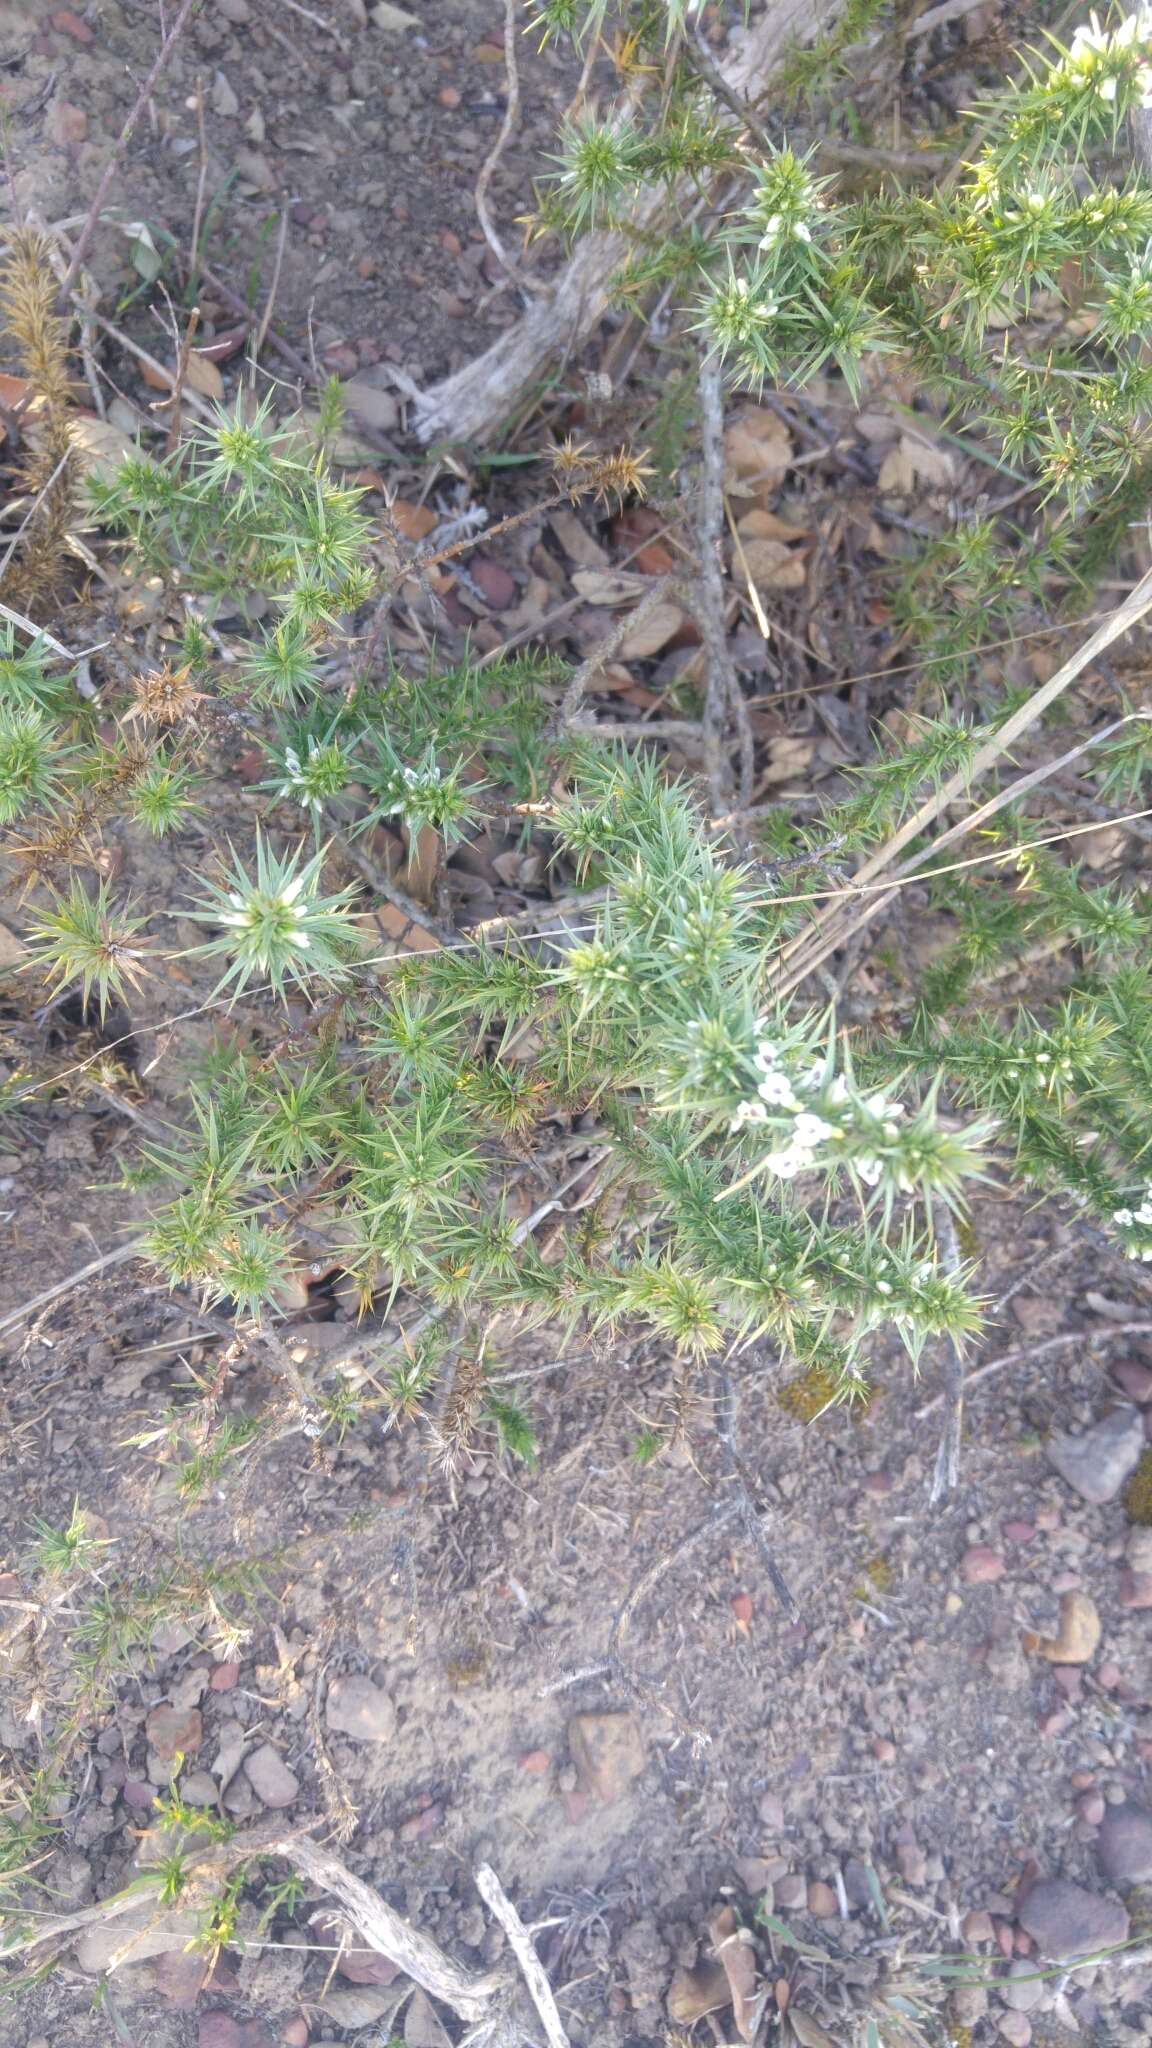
[980, 1565]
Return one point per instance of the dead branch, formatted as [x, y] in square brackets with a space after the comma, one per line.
[488, 168]
[520, 1941]
[469, 405]
[946, 1476]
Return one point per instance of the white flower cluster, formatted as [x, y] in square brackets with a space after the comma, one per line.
[1135, 1218]
[298, 780]
[782, 1090]
[253, 912]
[1092, 45]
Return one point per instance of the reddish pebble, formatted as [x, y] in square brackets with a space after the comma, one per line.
[883, 1750]
[879, 1483]
[1022, 1943]
[1108, 1674]
[822, 1902]
[1053, 1723]
[223, 1677]
[1090, 1807]
[1003, 1934]
[295, 2034]
[448, 96]
[1069, 1678]
[70, 24]
[1047, 1519]
[365, 1966]
[1135, 1589]
[1018, 1532]
[1016, 2028]
[575, 1806]
[418, 1825]
[1083, 1780]
[742, 1609]
[980, 1565]
[497, 586]
[1135, 1379]
[535, 1762]
[451, 242]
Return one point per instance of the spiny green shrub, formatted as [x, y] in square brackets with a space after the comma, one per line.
[757, 1170]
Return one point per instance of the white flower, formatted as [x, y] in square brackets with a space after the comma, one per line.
[291, 890]
[1107, 88]
[811, 1130]
[765, 1055]
[883, 1287]
[869, 1169]
[802, 231]
[748, 1113]
[772, 228]
[1123, 1216]
[1143, 83]
[838, 1092]
[789, 1162]
[777, 1088]
[813, 1076]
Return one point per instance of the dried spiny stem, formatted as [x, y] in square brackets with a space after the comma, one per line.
[583, 471]
[48, 472]
[458, 1424]
[165, 696]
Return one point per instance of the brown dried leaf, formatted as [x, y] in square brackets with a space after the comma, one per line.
[737, 1957]
[912, 463]
[1077, 1636]
[201, 374]
[661, 625]
[757, 452]
[422, 2027]
[607, 586]
[770, 565]
[695, 1992]
[578, 544]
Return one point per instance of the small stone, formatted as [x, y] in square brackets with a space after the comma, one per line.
[883, 1750]
[1124, 1844]
[1135, 1379]
[535, 1762]
[199, 1788]
[771, 1810]
[1135, 1589]
[1090, 1807]
[295, 2034]
[65, 124]
[138, 1795]
[367, 1966]
[175, 1731]
[449, 97]
[1066, 1920]
[224, 1677]
[1014, 2027]
[1070, 1679]
[1097, 1464]
[271, 1780]
[1017, 1531]
[980, 1565]
[1023, 1988]
[822, 1902]
[791, 1892]
[1138, 1548]
[359, 1708]
[234, 10]
[608, 1752]
[911, 1862]
[976, 1927]
[754, 1872]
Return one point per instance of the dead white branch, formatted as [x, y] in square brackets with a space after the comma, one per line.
[472, 403]
[520, 1941]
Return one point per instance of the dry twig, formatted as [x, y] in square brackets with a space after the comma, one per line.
[520, 1941]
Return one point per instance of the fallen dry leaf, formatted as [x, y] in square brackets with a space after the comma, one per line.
[422, 2028]
[102, 446]
[808, 2031]
[607, 586]
[757, 452]
[414, 522]
[788, 759]
[578, 544]
[761, 524]
[914, 462]
[695, 1992]
[654, 632]
[1077, 1635]
[770, 565]
[733, 1946]
[201, 374]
